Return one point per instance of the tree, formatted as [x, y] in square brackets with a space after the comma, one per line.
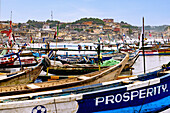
[130, 31]
[94, 20]
[19, 25]
[122, 22]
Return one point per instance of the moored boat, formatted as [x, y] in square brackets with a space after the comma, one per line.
[143, 93]
[24, 76]
[77, 69]
[106, 74]
[160, 51]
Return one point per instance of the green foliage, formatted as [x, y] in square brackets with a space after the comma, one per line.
[122, 22]
[19, 25]
[52, 23]
[87, 30]
[77, 29]
[94, 20]
[130, 31]
[129, 26]
[62, 26]
[34, 23]
[167, 28]
[156, 28]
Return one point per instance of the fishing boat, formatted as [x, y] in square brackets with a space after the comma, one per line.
[77, 69]
[143, 93]
[15, 62]
[106, 74]
[160, 51]
[24, 76]
[133, 56]
[6, 60]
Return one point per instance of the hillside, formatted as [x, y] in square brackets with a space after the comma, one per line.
[94, 20]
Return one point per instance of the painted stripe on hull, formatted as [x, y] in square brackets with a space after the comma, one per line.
[141, 84]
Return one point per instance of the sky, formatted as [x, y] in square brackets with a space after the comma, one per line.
[155, 12]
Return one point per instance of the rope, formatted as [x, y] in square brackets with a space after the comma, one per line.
[143, 100]
[55, 106]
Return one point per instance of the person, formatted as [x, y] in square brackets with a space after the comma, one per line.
[90, 47]
[101, 60]
[47, 47]
[92, 61]
[79, 48]
[117, 44]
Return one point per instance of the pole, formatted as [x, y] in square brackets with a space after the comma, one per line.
[57, 33]
[99, 55]
[143, 47]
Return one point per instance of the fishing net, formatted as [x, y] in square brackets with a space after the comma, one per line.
[110, 62]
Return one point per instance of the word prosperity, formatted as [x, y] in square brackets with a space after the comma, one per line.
[127, 96]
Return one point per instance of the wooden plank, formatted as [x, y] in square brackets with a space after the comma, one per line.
[32, 86]
[165, 71]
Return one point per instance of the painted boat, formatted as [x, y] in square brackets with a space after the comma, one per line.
[133, 56]
[143, 93]
[106, 74]
[81, 59]
[14, 59]
[24, 76]
[77, 69]
[161, 51]
[8, 59]
[25, 62]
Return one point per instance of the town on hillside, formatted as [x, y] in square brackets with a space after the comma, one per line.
[85, 29]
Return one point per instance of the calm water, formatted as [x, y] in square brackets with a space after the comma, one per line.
[152, 63]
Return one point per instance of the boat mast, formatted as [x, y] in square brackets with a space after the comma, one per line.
[143, 34]
[99, 53]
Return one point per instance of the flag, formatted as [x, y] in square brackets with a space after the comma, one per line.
[139, 36]
[43, 39]
[8, 33]
[31, 39]
[13, 37]
[55, 34]
[57, 31]
[11, 25]
[150, 34]
[123, 37]
[108, 37]
[145, 38]
[162, 35]
[99, 39]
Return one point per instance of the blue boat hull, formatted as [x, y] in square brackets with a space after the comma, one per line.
[151, 98]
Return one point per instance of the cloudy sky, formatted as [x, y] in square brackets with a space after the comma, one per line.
[155, 12]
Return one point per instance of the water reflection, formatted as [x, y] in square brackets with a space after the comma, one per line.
[152, 63]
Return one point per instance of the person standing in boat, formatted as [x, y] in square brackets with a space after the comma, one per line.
[47, 47]
[79, 48]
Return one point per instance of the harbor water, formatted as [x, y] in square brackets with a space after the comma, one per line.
[152, 63]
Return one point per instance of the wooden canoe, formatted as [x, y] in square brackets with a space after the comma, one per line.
[144, 93]
[133, 56]
[77, 69]
[106, 74]
[24, 76]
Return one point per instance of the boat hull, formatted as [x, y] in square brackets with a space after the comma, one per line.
[151, 98]
[155, 52]
[151, 95]
[107, 74]
[22, 77]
